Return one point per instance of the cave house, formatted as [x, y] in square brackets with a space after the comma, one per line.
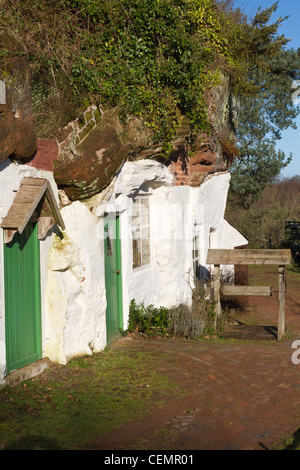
[93, 219]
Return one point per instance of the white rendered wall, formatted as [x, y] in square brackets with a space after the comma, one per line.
[76, 302]
[72, 268]
[177, 213]
[229, 237]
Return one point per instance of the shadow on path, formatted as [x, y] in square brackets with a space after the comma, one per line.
[31, 442]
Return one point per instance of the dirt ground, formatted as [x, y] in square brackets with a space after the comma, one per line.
[240, 395]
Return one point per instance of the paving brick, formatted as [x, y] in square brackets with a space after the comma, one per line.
[247, 394]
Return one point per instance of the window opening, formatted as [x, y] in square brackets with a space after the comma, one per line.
[196, 257]
[140, 231]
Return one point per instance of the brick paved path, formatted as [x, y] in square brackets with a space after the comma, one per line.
[239, 396]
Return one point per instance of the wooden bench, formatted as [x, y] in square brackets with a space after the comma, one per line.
[251, 257]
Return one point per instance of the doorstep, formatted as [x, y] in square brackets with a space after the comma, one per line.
[27, 372]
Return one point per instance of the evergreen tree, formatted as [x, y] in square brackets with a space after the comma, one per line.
[265, 110]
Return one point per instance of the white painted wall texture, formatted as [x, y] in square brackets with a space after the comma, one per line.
[72, 268]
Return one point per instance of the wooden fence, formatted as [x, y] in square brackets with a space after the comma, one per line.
[251, 257]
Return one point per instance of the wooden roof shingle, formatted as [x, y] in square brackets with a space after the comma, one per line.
[34, 198]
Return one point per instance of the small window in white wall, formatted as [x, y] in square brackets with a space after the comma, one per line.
[196, 257]
[140, 224]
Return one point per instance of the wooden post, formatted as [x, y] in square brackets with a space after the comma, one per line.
[280, 258]
[281, 315]
[217, 285]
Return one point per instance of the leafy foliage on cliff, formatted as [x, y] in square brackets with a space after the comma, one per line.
[153, 59]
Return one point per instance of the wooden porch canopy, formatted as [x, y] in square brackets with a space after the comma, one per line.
[248, 257]
[34, 201]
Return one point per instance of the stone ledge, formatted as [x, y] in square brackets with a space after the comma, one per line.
[27, 372]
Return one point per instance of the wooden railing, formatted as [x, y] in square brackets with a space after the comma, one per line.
[251, 257]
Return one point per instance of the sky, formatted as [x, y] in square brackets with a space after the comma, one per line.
[290, 141]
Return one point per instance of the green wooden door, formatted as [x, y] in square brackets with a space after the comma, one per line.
[22, 299]
[113, 279]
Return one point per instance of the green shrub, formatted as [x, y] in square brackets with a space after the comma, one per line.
[149, 320]
[181, 321]
[185, 322]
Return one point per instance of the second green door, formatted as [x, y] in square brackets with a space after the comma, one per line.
[113, 276]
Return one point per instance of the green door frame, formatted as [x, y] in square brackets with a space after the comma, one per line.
[113, 276]
[22, 287]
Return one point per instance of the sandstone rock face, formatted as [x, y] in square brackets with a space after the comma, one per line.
[17, 134]
[86, 169]
[86, 166]
[214, 152]
[206, 159]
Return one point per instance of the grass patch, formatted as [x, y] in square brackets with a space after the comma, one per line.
[293, 271]
[290, 442]
[66, 407]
